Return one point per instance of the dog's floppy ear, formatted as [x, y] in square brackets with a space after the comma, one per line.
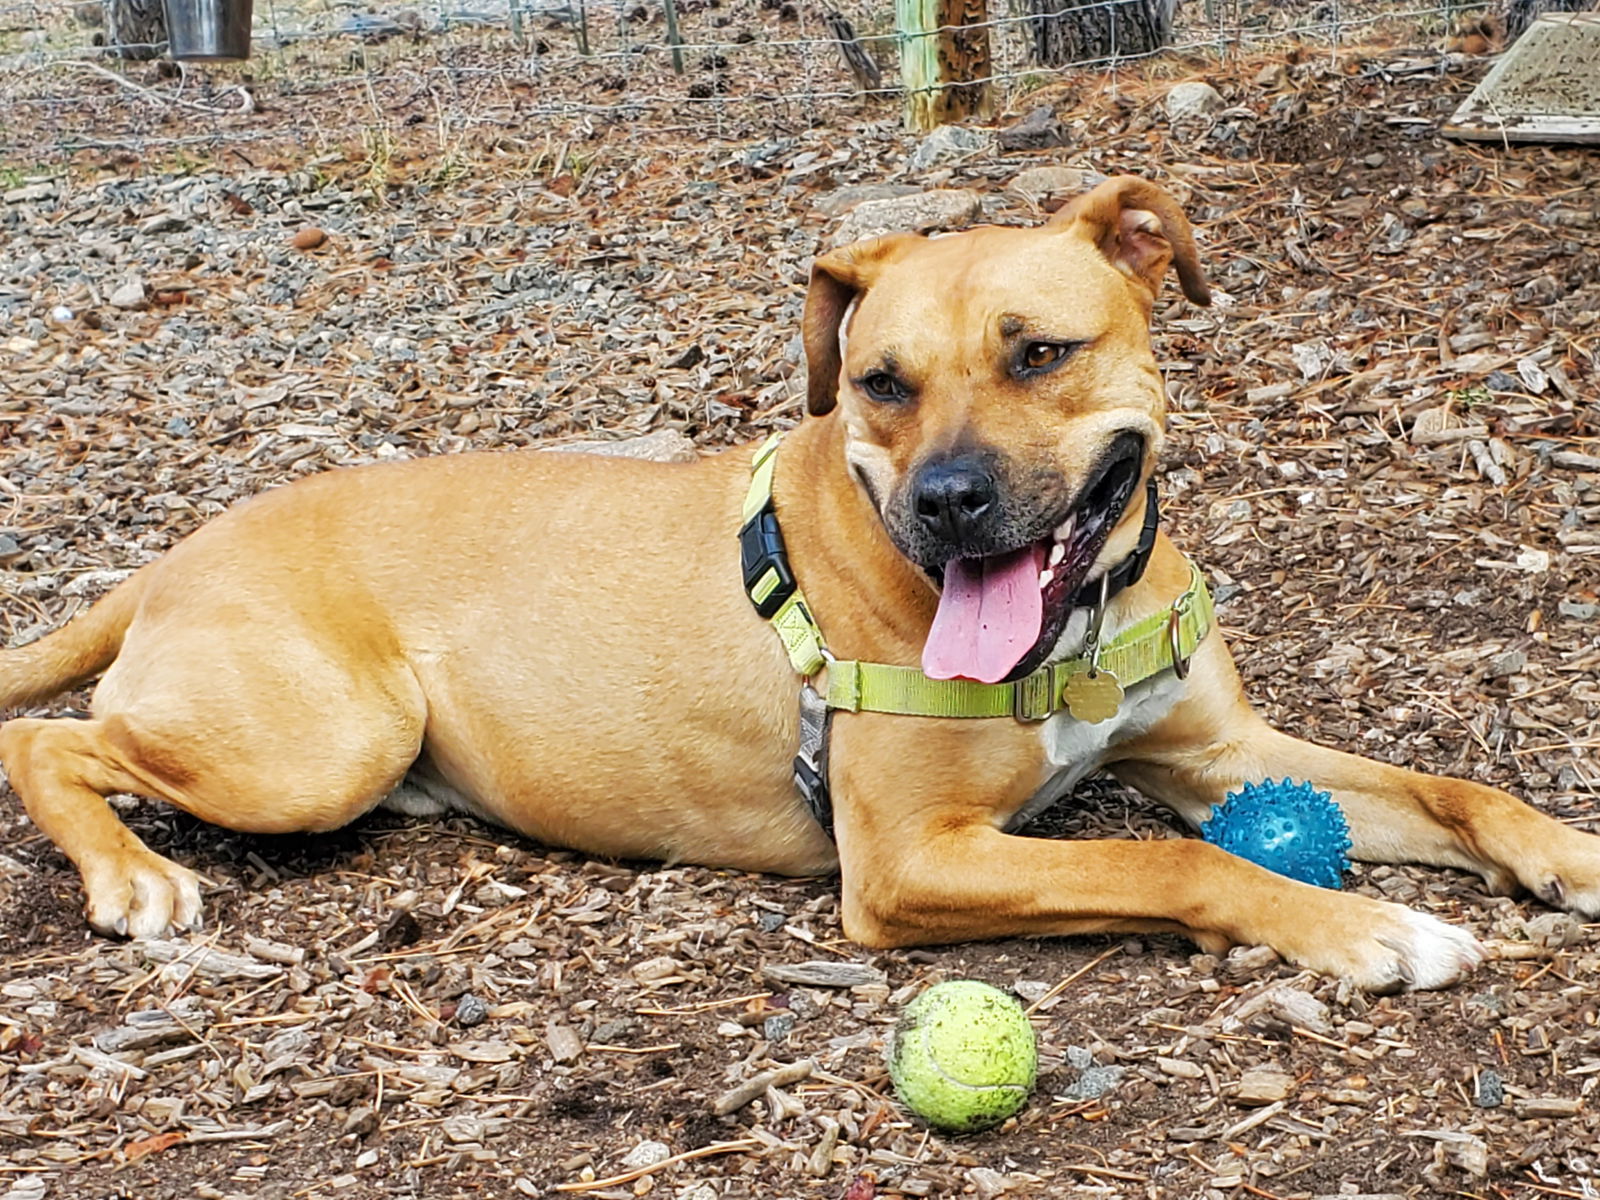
[837, 279]
[1140, 229]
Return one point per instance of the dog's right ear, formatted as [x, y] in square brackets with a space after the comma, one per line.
[1141, 230]
[837, 280]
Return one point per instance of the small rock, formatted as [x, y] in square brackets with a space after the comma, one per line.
[564, 1043]
[10, 549]
[1375, 160]
[1567, 608]
[1263, 1085]
[1193, 100]
[1500, 381]
[470, 1011]
[1094, 1082]
[1490, 1092]
[778, 1028]
[1509, 663]
[61, 313]
[308, 238]
[1079, 1058]
[130, 295]
[646, 1154]
[940, 208]
[949, 144]
[1039, 130]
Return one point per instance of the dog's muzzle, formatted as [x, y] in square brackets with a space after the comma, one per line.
[1008, 580]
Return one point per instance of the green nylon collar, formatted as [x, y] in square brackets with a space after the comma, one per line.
[1164, 640]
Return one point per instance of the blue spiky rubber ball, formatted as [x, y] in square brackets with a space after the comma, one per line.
[1287, 827]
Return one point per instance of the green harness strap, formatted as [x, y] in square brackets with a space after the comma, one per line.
[1166, 639]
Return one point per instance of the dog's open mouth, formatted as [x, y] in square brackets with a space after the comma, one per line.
[1001, 615]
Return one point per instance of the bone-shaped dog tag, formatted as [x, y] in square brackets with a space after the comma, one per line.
[1093, 698]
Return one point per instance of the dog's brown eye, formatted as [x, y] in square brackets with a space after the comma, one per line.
[882, 386]
[1038, 355]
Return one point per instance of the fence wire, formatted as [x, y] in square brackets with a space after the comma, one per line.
[324, 71]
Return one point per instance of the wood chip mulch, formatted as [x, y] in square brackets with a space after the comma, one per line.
[1385, 450]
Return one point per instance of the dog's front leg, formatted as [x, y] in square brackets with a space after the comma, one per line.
[1212, 742]
[923, 860]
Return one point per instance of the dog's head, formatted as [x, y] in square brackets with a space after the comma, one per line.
[1002, 407]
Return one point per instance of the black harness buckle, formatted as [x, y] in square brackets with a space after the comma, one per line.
[763, 559]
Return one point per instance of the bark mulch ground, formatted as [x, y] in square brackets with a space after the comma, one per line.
[1385, 452]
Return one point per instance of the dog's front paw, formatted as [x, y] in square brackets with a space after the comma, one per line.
[1384, 948]
[141, 895]
[1567, 874]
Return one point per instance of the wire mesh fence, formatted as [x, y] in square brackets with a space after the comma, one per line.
[323, 71]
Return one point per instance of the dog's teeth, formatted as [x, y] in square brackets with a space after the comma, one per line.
[1057, 553]
[1064, 530]
[1044, 578]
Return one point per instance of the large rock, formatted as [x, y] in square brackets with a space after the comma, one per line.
[942, 208]
[1039, 130]
[1194, 101]
[949, 144]
[664, 445]
[837, 203]
[1051, 187]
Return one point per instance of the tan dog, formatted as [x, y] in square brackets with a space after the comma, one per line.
[562, 644]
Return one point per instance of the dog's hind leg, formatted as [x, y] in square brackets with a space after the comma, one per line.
[63, 770]
[287, 744]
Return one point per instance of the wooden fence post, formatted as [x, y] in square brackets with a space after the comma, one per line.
[944, 60]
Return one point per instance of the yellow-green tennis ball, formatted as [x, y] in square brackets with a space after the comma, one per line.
[964, 1056]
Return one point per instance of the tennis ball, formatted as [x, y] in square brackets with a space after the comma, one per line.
[964, 1056]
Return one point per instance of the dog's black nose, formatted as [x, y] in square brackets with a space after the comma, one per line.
[954, 497]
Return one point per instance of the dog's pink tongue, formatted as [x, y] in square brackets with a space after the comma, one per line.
[990, 615]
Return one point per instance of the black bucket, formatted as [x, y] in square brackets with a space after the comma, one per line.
[208, 30]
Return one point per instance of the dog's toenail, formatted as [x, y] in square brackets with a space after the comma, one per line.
[121, 927]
